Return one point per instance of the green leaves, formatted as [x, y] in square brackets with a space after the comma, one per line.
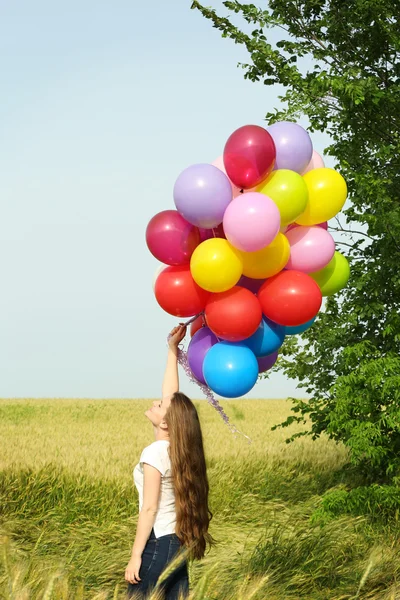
[348, 361]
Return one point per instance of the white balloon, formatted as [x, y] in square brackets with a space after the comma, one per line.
[159, 270]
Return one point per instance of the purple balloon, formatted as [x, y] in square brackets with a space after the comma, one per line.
[251, 284]
[198, 347]
[293, 145]
[201, 194]
[266, 362]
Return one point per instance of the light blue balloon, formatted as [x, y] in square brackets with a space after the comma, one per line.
[267, 339]
[230, 369]
[299, 328]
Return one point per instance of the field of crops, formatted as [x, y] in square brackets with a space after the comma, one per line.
[68, 507]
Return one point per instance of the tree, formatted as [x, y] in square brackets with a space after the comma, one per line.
[349, 360]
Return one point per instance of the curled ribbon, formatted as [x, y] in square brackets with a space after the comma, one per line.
[183, 361]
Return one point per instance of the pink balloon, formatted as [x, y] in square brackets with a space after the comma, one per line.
[251, 221]
[171, 239]
[311, 249]
[323, 225]
[316, 162]
[219, 163]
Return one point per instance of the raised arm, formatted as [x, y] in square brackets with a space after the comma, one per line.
[171, 378]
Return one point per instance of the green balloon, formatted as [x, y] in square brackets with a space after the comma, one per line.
[334, 276]
[288, 191]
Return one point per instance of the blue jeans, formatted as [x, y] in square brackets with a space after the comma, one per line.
[157, 554]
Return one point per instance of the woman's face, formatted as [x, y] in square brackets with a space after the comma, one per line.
[157, 412]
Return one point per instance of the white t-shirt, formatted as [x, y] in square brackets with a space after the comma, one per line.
[157, 456]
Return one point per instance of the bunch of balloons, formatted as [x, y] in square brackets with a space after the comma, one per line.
[249, 251]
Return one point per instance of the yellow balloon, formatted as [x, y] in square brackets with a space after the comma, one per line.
[327, 192]
[216, 266]
[334, 276]
[289, 192]
[268, 261]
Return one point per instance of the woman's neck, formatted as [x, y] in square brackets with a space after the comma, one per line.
[160, 434]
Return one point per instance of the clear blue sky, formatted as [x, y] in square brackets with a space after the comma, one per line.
[102, 106]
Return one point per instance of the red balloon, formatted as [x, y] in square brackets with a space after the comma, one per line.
[171, 239]
[290, 298]
[233, 315]
[177, 292]
[249, 156]
[197, 324]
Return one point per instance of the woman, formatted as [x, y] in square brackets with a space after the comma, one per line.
[171, 480]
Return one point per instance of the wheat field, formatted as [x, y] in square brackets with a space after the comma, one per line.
[69, 507]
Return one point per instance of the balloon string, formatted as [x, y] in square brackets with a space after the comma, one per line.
[183, 361]
[193, 319]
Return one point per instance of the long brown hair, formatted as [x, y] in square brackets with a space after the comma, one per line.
[189, 474]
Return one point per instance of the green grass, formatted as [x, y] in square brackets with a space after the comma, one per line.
[68, 507]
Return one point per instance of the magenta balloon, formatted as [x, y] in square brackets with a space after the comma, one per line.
[250, 284]
[171, 239]
[249, 156]
[201, 194]
[266, 362]
[311, 249]
[293, 146]
[251, 221]
[198, 347]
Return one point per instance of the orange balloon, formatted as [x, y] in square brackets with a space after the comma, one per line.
[268, 261]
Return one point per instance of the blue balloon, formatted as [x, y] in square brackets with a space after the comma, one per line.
[267, 339]
[299, 328]
[230, 369]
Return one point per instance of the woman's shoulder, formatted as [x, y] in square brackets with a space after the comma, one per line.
[156, 454]
[159, 446]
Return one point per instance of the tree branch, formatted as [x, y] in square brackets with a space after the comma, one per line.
[341, 229]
